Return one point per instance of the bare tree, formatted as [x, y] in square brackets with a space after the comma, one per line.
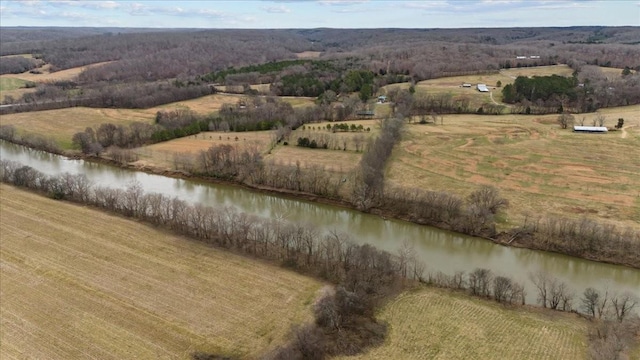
[541, 280]
[599, 120]
[565, 120]
[623, 304]
[590, 300]
[479, 282]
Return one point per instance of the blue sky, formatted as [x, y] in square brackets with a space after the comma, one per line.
[319, 13]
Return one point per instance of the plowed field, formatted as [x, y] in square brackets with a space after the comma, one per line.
[77, 283]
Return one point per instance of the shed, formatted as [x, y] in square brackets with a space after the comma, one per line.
[482, 88]
[365, 114]
[466, 85]
[590, 129]
[382, 99]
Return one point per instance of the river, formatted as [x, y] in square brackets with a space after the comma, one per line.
[440, 250]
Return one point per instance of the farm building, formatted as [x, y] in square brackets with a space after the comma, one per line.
[466, 85]
[590, 129]
[482, 88]
[365, 114]
[382, 99]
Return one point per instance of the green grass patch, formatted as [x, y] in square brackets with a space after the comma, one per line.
[8, 84]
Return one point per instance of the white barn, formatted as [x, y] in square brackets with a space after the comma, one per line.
[482, 88]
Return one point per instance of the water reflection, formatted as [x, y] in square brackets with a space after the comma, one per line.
[440, 250]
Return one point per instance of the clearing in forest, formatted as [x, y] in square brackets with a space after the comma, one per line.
[81, 283]
[441, 324]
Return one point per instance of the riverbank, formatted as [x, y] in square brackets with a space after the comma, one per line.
[519, 236]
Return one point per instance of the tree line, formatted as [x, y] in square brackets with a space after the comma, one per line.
[18, 64]
[344, 322]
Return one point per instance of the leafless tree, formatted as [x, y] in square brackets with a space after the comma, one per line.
[565, 120]
[480, 282]
[623, 305]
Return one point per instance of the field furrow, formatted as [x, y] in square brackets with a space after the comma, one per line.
[439, 324]
[79, 283]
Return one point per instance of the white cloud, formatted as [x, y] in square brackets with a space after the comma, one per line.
[342, 2]
[427, 4]
[276, 9]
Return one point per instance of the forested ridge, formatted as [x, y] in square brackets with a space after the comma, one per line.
[173, 65]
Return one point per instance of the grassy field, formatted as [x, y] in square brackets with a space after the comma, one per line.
[79, 283]
[438, 324]
[7, 84]
[46, 75]
[539, 167]
[63, 123]
[161, 154]
[453, 85]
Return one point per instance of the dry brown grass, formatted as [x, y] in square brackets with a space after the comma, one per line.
[308, 54]
[162, 154]
[332, 160]
[439, 324]
[63, 123]
[79, 283]
[539, 167]
[453, 85]
[48, 76]
[213, 103]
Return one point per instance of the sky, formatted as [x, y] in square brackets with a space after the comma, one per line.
[272, 14]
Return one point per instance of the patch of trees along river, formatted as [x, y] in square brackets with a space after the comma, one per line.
[440, 250]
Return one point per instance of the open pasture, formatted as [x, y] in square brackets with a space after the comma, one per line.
[341, 161]
[440, 324]
[46, 76]
[163, 154]
[61, 124]
[212, 103]
[13, 87]
[80, 283]
[453, 85]
[8, 84]
[539, 168]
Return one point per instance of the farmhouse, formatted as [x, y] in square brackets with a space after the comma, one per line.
[590, 129]
[482, 88]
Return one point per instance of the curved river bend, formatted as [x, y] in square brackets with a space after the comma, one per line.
[440, 250]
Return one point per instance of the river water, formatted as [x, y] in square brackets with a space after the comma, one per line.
[440, 250]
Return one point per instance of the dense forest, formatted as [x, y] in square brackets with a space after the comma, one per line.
[171, 65]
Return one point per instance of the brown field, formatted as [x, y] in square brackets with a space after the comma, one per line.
[162, 154]
[308, 54]
[212, 103]
[613, 73]
[439, 324]
[453, 85]
[80, 283]
[539, 167]
[61, 124]
[48, 76]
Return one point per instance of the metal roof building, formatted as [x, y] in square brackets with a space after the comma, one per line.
[591, 129]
